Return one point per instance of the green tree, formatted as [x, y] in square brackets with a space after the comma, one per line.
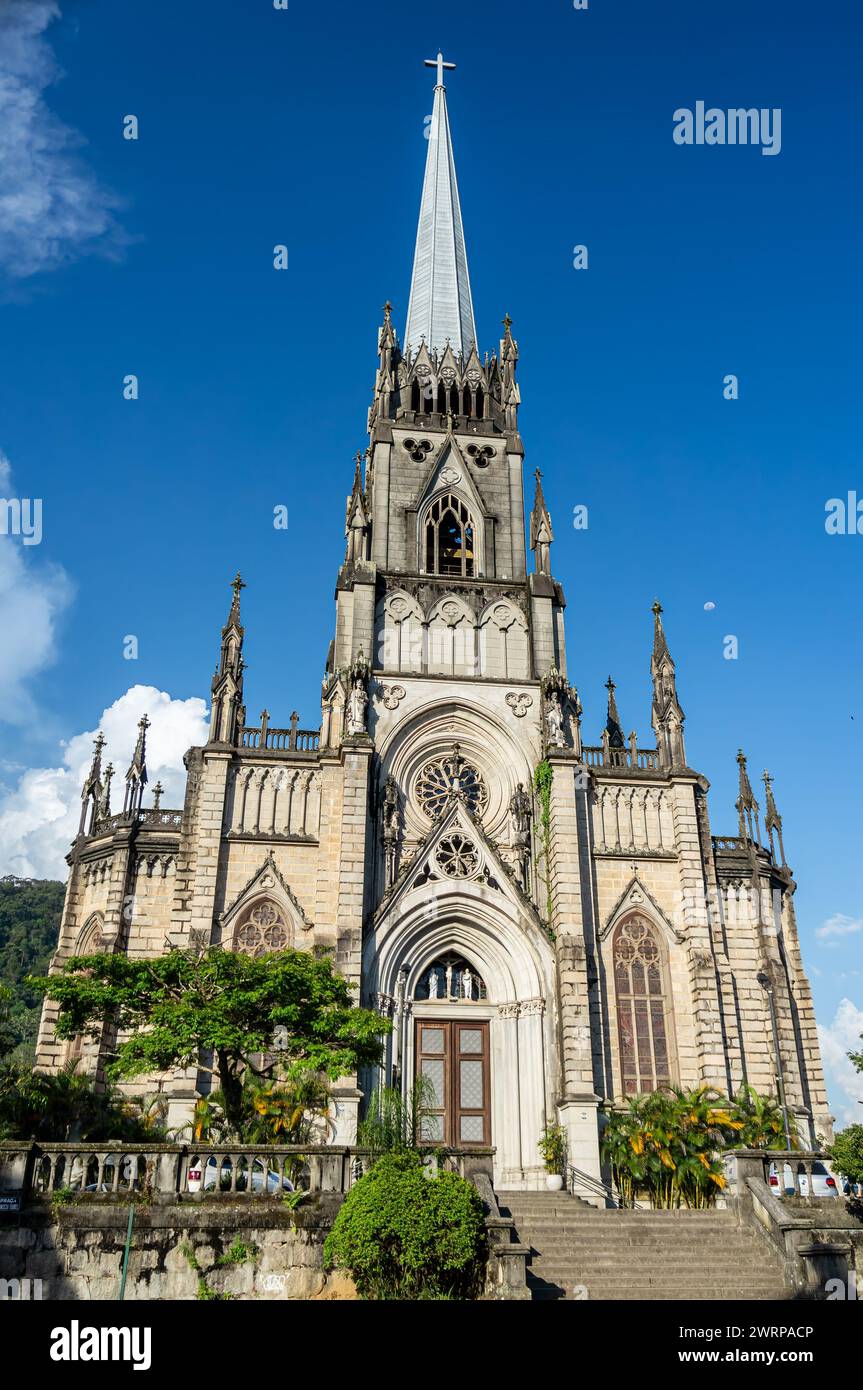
[29, 921]
[65, 1105]
[762, 1120]
[218, 1010]
[403, 1234]
[846, 1153]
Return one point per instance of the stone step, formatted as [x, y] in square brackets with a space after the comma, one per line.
[667, 1296]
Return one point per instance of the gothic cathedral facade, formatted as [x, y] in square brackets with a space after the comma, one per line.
[548, 924]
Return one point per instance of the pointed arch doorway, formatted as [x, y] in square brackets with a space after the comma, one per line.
[452, 1053]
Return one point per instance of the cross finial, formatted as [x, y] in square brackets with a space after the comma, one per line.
[439, 63]
[657, 608]
[388, 308]
[143, 723]
[237, 584]
[537, 475]
[610, 686]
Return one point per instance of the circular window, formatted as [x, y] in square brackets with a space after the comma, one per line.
[437, 779]
[263, 930]
[457, 856]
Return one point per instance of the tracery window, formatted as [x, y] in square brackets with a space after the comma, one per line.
[437, 779]
[642, 1024]
[449, 538]
[262, 928]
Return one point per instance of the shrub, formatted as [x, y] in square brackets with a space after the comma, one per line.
[846, 1153]
[405, 1235]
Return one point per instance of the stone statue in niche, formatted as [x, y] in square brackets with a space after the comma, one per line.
[390, 827]
[357, 706]
[520, 813]
[554, 723]
[467, 984]
[433, 984]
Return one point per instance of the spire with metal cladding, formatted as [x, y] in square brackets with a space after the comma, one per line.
[441, 308]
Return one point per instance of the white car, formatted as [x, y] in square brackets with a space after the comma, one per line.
[823, 1181]
[209, 1178]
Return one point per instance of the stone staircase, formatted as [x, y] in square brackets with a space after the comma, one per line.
[656, 1255]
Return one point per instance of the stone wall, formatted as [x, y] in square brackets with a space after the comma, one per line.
[76, 1250]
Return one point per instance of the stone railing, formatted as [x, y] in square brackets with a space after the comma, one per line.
[290, 740]
[740, 844]
[171, 1172]
[816, 1237]
[151, 816]
[645, 760]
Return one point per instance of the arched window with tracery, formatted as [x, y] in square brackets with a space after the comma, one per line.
[261, 928]
[450, 538]
[642, 1019]
[90, 943]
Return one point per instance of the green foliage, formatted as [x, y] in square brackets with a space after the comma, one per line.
[542, 780]
[552, 1146]
[181, 1005]
[65, 1105]
[666, 1145]
[762, 1120]
[394, 1122]
[846, 1153]
[405, 1235]
[288, 1110]
[292, 1200]
[239, 1253]
[29, 922]
[205, 1293]
[856, 1058]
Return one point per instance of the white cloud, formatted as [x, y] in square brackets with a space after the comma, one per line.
[33, 595]
[52, 207]
[39, 817]
[844, 1082]
[837, 927]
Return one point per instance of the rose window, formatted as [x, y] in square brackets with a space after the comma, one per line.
[264, 929]
[457, 856]
[438, 779]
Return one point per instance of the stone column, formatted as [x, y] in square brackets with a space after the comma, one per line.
[574, 947]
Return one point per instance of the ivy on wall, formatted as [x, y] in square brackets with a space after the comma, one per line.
[542, 779]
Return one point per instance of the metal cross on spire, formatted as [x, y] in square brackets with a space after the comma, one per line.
[439, 63]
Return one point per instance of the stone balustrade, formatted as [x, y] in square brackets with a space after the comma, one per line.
[645, 759]
[290, 740]
[168, 1172]
[150, 816]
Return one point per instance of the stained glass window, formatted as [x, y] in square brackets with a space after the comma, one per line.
[641, 1014]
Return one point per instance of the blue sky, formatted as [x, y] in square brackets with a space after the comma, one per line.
[305, 127]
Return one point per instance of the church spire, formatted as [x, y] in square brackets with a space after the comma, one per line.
[666, 717]
[541, 534]
[136, 777]
[746, 805]
[772, 818]
[228, 711]
[440, 310]
[91, 792]
[613, 731]
[357, 518]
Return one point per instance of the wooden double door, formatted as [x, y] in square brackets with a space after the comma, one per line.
[453, 1056]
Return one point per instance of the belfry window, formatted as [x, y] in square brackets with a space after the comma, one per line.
[641, 1014]
[449, 538]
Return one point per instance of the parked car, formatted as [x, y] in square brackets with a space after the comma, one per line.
[823, 1181]
[213, 1173]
